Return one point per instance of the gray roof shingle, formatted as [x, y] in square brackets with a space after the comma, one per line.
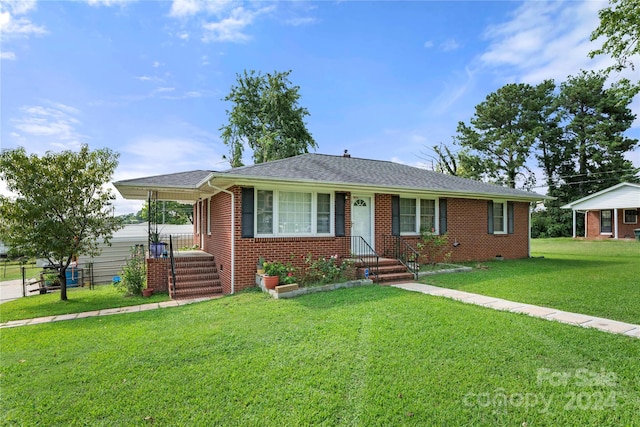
[340, 170]
[189, 179]
[352, 170]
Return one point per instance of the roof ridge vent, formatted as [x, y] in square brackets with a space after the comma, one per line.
[346, 154]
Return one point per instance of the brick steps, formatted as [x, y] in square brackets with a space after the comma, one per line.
[389, 270]
[195, 277]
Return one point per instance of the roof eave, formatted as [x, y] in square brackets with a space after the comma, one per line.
[251, 180]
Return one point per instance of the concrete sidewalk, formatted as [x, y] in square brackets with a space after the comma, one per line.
[607, 325]
[105, 312]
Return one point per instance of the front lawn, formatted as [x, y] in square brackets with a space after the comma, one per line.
[79, 300]
[357, 357]
[600, 278]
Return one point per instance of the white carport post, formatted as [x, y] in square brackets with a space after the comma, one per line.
[574, 222]
[615, 223]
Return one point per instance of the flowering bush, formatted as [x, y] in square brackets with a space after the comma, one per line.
[433, 246]
[326, 270]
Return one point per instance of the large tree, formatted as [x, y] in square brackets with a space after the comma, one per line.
[166, 212]
[265, 117]
[62, 207]
[620, 26]
[503, 132]
[588, 156]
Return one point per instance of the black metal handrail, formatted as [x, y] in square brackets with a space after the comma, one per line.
[359, 250]
[173, 265]
[400, 249]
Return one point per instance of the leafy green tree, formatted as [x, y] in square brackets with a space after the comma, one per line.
[265, 117]
[595, 119]
[62, 207]
[166, 212]
[620, 25]
[503, 133]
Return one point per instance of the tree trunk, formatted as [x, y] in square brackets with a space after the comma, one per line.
[63, 284]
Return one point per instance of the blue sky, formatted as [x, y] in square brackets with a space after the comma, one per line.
[385, 80]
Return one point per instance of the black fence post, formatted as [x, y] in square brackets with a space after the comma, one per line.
[24, 280]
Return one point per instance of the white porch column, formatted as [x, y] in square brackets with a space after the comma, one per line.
[615, 223]
[574, 222]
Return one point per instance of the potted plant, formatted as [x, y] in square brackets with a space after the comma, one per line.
[156, 247]
[273, 271]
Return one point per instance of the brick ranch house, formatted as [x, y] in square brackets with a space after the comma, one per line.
[321, 204]
[610, 213]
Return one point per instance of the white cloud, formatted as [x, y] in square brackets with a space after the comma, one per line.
[231, 28]
[545, 40]
[14, 25]
[449, 45]
[183, 36]
[156, 64]
[11, 56]
[186, 8]
[55, 123]
[428, 44]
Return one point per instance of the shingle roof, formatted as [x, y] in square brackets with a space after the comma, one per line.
[189, 179]
[356, 171]
[337, 170]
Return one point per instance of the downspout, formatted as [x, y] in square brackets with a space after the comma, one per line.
[529, 241]
[233, 234]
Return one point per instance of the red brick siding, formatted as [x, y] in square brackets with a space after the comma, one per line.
[467, 223]
[593, 226]
[158, 274]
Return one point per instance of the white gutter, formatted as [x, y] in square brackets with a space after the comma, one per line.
[233, 234]
[529, 241]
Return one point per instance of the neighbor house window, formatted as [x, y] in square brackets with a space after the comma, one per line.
[605, 221]
[295, 213]
[417, 215]
[630, 216]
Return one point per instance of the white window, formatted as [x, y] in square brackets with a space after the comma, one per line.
[427, 215]
[264, 212]
[295, 213]
[323, 221]
[630, 216]
[499, 217]
[407, 215]
[417, 215]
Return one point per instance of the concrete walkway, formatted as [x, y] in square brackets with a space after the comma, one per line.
[612, 326]
[105, 312]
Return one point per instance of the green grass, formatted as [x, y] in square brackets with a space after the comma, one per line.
[12, 271]
[356, 357]
[600, 278]
[79, 300]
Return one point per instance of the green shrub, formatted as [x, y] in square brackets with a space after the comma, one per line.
[134, 273]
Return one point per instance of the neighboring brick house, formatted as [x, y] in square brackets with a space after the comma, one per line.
[318, 204]
[610, 213]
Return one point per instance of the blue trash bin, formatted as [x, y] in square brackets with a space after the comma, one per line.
[72, 277]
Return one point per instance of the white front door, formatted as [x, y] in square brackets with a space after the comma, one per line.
[361, 219]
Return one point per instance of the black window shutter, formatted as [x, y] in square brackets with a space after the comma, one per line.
[443, 216]
[395, 215]
[510, 215]
[340, 214]
[247, 212]
[490, 217]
